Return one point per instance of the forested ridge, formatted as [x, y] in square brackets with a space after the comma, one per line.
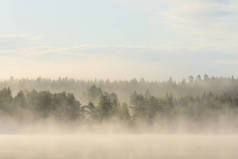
[197, 101]
[190, 86]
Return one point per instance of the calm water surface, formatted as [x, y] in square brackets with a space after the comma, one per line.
[118, 147]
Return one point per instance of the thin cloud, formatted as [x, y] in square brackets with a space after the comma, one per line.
[19, 36]
[195, 23]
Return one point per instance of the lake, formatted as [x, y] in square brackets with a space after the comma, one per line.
[118, 146]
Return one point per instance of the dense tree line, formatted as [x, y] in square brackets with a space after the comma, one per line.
[106, 106]
[39, 105]
[192, 86]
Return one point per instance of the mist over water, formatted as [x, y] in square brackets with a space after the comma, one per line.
[134, 120]
[99, 146]
[118, 79]
[51, 140]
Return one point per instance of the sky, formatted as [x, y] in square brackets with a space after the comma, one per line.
[118, 39]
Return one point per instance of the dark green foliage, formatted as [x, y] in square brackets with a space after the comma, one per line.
[6, 100]
[94, 92]
[20, 99]
[90, 91]
[147, 106]
[108, 106]
[199, 100]
[43, 104]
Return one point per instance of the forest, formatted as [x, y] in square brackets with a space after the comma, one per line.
[195, 102]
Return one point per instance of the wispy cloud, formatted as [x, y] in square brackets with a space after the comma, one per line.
[19, 36]
[12, 42]
[202, 13]
[195, 23]
[209, 24]
[184, 37]
[62, 62]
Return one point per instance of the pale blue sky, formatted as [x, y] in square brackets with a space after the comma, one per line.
[118, 39]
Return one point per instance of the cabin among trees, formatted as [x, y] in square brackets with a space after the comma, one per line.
[200, 100]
